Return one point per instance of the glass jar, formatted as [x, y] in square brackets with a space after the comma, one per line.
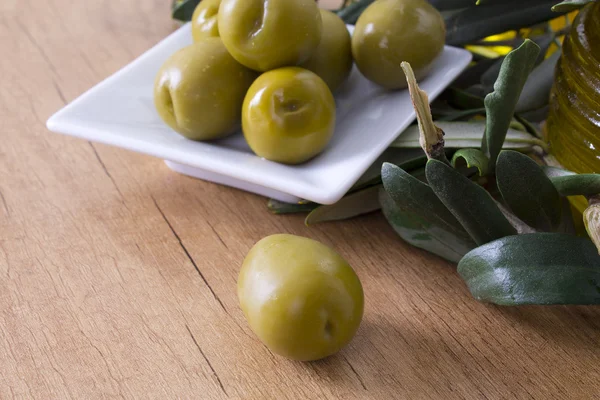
[573, 124]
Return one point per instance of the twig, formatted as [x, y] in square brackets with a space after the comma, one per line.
[431, 137]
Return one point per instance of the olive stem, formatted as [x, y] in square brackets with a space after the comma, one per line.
[431, 137]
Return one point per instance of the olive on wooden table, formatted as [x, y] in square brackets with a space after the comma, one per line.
[332, 60]
[204, 20]
[264, 35]
[200, 89]
[288, 115]
[389, 32]
[301, 298]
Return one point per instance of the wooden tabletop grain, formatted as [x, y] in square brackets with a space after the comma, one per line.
[118, 276]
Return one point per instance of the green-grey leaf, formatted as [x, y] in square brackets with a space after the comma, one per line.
[458, 135]
[471, 204]
[406, 158]
[569, 183]
[352, 205]
[544, 41]
[474, 74]
[552, 172]
[446, 5]
[567, 224]
[538, 116]
[536, 92]
[480, 22]
[491, 74]
[416, 197]
[351, 13]
[528, 191]
[419, 174]
[419, 232]
[537, 268]
[457, 115]
[570, 5]
[577, 185]
[471, 158]
[462, 100]
[280, 207]
[501, 103]
[183, 10]
[531, 127]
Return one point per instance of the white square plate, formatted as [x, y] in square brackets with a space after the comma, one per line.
[120, 111]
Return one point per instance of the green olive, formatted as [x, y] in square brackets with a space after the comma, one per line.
[301, 298]
[267, 34]
[200, 89]
[389, 32]
[288, 115]
[204, 20]
[332, 60]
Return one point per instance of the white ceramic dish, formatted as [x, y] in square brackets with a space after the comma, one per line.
[120, 111]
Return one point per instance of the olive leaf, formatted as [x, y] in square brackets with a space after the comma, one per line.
[471, 158]
[352, 205]
[413, 195]
[577, 184]
[545, 41]
[183, 10]
[539, 116]
[419, 174]
[447, 5]
[570, 5]
[530, 127]
[458, 114]
[528, 191]
[489, 77]
[515, 124]
[471, 204]
[501, 103]
[419, 217]
[569, 183]
[351, 13]
[567, 224]
[537, 268]
[461, 99]
[280, 207]
[407, 158]
[536, 92]
[459, 134]
[515, 221]
[421, 233]
[479, 22]
[474, 74]
[552, 172]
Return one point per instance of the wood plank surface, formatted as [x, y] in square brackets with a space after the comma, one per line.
[118, 276]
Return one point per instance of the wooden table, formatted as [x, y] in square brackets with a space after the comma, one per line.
[118, 276]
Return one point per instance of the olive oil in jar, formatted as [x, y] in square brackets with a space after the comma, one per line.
[573, 124]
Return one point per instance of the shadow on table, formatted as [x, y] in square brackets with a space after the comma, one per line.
[430, 358]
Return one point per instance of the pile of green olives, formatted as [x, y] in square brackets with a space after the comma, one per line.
[272, 68]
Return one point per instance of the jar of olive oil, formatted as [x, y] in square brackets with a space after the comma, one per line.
[573, 124]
